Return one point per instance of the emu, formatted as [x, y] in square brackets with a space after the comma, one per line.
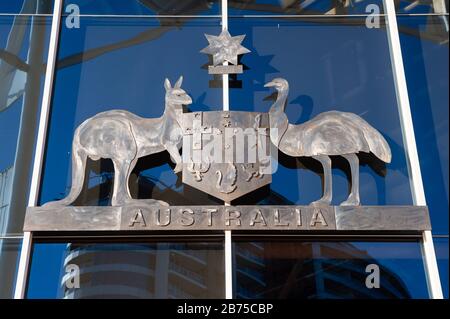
[327, 134]
[124, 137]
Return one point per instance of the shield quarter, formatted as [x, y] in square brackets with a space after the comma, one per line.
[226, 153]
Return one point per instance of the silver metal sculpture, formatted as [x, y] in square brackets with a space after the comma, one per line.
[329, 133]
[225, 48]
[124, 137]
[226, 178]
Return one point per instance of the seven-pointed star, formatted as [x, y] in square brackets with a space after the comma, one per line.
[225, 47]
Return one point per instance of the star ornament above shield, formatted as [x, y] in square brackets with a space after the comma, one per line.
[225, 49]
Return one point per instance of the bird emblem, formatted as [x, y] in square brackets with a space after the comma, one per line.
[226, 183]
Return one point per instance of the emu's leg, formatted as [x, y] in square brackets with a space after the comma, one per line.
[353, 198]
[176, 157]
[327, 180]
[120, 192]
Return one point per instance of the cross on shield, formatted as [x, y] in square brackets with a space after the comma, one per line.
[226, 153]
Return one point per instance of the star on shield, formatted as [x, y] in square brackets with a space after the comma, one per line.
[225, 48]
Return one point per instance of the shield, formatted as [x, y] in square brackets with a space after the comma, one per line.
[226, 153]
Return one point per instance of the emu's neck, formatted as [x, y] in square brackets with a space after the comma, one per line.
[280, 103]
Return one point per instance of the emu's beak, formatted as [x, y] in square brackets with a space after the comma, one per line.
[269, 84]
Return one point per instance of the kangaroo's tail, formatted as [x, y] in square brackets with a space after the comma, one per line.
[78, 171]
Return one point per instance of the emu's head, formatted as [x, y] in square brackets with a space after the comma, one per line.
[279, 84]
[176, 95]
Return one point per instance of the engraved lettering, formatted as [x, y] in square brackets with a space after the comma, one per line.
[298, 214]
[277, 219]
[209, 213]
[317, 217]
[158, 218]
[138, 218]
[236, 217]
[187, 217]
[258, 218]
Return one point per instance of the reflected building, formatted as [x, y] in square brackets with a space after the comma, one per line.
[313, 270]
[160, 270]
[277, 269]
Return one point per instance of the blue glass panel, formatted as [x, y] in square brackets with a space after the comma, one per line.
[139, 270]
[9, 261]
[121, 64]
[26, 6]
[328, 270]
[302, 7]
[23, 51]
[419, 7]
[149, 7]
[441, 248]
[424, 43]
[330, 64]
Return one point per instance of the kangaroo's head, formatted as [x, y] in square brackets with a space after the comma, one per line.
[176, 95]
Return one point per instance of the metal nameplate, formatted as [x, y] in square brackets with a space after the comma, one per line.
[141, 217]
[225, 69]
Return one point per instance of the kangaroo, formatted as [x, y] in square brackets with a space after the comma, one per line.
[125, 137]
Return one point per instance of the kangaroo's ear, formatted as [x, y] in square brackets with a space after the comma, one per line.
[178, 84]
[167, 84]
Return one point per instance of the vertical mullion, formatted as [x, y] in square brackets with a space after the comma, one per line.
[226, 106]
[225, 83]
[22, 274]
[409, 141]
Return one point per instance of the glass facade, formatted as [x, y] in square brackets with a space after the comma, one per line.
[114, 54]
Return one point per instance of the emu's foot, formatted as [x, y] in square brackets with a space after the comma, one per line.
[178, 168]
[321, 202]
[55, 204]
[351, 201]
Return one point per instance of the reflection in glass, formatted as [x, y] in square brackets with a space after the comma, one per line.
[160, 270]
[302, 7]
[425, 57]
[330, 64]
[421, 6]
[147, 7]
[26, 6]
[327, 270]
[116, 63]
[9, 260]
[23, 49]
[441, 249]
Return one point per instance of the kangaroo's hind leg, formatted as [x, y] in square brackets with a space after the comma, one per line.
[176, 157]
[121, 192]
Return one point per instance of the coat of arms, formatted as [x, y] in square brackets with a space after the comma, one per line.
[226, 154]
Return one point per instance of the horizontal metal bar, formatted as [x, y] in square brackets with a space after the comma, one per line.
[11, 237]
[272, 16]
[26, 14]
[143, 216]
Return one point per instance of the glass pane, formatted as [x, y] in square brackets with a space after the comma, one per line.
[421, 6]
[9, 261]
[26, 6]
[23, 52]
[138, 270]
[303, 7]
[348, 70]
[328, 270]
[148, 7]
[121, 64]
[441, 248]
[424, 43]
